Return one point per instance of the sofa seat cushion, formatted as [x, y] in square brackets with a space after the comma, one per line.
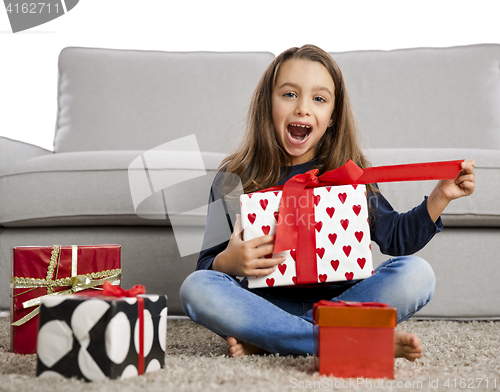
[93, 188]
[86, 188]
[481, 209]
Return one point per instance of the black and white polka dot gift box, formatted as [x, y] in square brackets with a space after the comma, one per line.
[97, 337]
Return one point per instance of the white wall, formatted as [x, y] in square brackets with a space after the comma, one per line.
[28, 60]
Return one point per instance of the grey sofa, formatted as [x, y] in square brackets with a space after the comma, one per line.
[413, 105]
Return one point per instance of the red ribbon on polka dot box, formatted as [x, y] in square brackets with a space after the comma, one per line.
[322, 223]
[104, 334]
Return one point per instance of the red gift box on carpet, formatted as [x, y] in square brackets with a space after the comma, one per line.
[43, 270]
[354, 339]
[321, 222]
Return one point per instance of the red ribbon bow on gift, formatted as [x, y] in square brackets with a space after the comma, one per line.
[353, 318]
[116, 291]
[296, 235]
[350, 304]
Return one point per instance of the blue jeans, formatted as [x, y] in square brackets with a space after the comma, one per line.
[279, 320]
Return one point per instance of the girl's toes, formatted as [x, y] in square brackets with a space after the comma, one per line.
[231, 341]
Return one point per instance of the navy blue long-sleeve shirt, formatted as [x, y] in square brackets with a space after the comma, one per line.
[396, 234]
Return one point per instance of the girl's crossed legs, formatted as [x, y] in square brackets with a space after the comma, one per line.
[260, 318]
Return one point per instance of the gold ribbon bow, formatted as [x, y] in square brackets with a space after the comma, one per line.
[76, 283]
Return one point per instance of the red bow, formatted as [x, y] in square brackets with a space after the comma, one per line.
[116, 291]
[354, 318]
[350, 304]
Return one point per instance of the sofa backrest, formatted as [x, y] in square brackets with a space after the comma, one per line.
[137, 100]
[426, 97]
[409, 98]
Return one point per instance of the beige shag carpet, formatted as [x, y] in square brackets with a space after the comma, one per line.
[457, 356]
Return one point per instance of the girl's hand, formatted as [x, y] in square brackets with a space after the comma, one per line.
[448, 190]
[242, 258]
[463, 185]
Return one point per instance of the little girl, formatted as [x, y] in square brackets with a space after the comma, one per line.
[300, 119]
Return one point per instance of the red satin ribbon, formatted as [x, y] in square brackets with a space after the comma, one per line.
[298, 236]
[350, 304]
[116, 291]
[140, 359]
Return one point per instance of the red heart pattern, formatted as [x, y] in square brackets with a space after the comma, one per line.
[330, 211]
[344, 223]
[320, 252]
[347, 250]
[251, 218]
[356, 209]
[349, 275]
[342, 197]
[294, 279]
[361, 262]
[359, 235]
[250, 195]
[293, 253]
[332, 237]
[276, 215]
[355, 187]
[317, 198]
[318, 226]
[263, 203]
[322, 278]
[282, 268]
[266, 229]
[276, 193]
[335, 264]
[270, 282]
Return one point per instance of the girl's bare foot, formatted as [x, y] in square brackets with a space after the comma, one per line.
[238, 348]
[407, 345]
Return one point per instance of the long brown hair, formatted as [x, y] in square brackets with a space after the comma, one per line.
[260, 156]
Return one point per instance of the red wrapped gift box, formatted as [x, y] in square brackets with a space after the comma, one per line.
[354, 339]
[333, 241]
[41, 270]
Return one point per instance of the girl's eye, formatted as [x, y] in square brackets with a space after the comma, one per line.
[320, 99]
[290, 95]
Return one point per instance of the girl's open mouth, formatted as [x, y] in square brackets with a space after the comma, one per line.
[298, 133]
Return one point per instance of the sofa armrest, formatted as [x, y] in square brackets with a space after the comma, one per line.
[13, 152]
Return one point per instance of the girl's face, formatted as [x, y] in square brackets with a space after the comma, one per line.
[302, 106]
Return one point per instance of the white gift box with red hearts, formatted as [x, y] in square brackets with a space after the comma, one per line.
[341, 227]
